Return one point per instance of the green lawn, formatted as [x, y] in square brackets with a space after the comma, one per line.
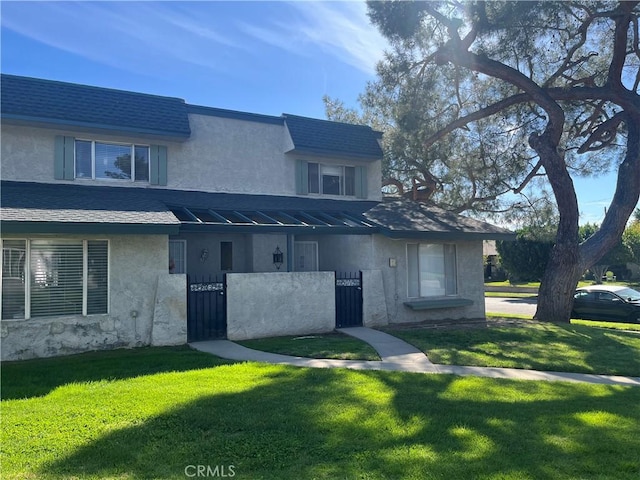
[539, 346]
[328, 345]
[581, 283]
[89, 420]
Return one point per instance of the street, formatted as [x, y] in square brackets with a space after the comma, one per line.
[518, 306]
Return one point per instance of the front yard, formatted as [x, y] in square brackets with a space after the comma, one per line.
[171, 413]
[578, 347]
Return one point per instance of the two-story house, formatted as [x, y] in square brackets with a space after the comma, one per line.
[116, 205]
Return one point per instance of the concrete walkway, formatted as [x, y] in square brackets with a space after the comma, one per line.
[398, 355]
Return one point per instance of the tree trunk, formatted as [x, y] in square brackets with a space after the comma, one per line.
[598, 272]
[555, 298]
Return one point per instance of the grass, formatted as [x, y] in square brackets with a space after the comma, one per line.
[540, 346]
[329, 345]
[278, 422]
[510, 295]
[581, 283]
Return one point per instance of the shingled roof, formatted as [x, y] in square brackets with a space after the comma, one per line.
[324, 137]
[402, 218]
[53, 103]
[64, 208]
[71, 208]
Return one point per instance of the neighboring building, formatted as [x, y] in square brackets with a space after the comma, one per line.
[111, 198]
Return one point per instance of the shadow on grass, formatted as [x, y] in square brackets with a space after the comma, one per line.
[538, 346]
[326, 424]
[35, 378]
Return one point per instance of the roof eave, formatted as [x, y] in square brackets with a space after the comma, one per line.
[334, 154]
[447, 236]
[87, 228]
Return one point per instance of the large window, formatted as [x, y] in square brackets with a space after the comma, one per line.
[98, 160]
[431, 270]
[54, 277]
[331, 179]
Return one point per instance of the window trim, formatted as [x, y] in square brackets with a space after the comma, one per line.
[132, 146]
[28, 274]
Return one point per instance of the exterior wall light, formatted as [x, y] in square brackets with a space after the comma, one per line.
[278, 258]
[204, 255]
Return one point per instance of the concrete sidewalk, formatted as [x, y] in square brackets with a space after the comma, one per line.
[398, 355]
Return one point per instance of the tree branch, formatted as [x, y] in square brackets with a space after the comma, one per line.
[622, 16]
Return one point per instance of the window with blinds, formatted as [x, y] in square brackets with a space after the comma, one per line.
[60, 277]
[431, 270]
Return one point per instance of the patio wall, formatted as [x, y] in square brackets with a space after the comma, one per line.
[260, 304]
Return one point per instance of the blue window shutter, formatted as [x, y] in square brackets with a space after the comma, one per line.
[158, 164]
[302, 177]
[63, 164]
[361, 182]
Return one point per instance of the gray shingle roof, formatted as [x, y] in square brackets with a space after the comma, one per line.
[313, 136]
[39, 207]
[403, 218]
[70, 104]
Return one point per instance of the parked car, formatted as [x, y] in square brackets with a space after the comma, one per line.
[604, 302]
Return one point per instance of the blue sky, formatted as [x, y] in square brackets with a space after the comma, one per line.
[261, 57]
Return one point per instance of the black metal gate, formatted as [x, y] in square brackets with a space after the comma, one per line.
[348, 299]
[206, 308]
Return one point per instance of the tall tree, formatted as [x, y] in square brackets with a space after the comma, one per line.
[500, 96]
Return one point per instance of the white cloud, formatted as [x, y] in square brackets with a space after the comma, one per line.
[144, 36]
[343, 29]
[340, 29]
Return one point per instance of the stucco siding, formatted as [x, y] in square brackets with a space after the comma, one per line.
[141, 291]
[222, 155]
[274, 304]
[470, 283]
[229, 155]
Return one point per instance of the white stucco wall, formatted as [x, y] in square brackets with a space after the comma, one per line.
[222, 155]
[229, 155]
[147, 306]
[275, 304]
[470, 278]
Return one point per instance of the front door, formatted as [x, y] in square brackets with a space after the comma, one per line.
[305, 256]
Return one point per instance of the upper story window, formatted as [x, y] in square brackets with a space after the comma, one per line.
[332, 179]
[99, 160]
[325, 179]
[77, 158]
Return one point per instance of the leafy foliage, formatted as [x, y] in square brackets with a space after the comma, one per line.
[526, 258]
[500, 104]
